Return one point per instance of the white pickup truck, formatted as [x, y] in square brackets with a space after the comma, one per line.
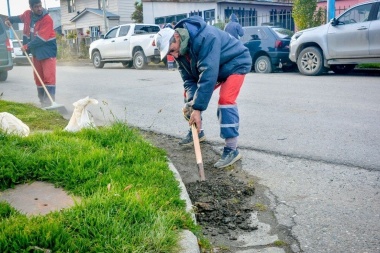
[130, 44]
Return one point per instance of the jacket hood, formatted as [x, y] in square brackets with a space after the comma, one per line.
[233, 18]
[194, 25]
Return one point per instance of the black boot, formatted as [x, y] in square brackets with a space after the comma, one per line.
[42, 97]
[51, 90]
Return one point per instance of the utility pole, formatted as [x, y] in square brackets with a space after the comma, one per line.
[9, 14]
[105, 17]
[330, 10]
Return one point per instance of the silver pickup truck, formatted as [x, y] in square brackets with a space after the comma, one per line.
[130, 44]
[350, 39]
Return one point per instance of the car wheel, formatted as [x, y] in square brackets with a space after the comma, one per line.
[263, 65]
[139, 60]
[97, 60]
[127, 64]
[3, 75]
[310, 61]
[342, 69]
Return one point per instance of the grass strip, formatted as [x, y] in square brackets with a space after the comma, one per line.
[129, 197]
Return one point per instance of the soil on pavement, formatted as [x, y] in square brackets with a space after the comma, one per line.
[223, 203]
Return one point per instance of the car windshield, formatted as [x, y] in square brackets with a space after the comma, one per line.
[283, 33]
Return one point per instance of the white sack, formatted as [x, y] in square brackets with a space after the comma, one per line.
[12, 125]
[80, 118]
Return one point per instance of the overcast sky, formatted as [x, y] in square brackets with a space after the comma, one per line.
[17, 7]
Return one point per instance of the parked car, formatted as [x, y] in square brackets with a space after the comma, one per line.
[130, 44]
[269, 48]
[19, 57]
[350, 39]
[6, 62]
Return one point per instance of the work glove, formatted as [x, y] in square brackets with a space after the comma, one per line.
[187, 110]
[8, 23]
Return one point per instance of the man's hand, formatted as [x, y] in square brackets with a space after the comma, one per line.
[24, 48]
[8, 23]
[187, 110]
[196, 119]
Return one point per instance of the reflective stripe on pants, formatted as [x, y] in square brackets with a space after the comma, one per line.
[228, 113]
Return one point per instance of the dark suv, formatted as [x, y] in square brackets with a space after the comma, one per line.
[6, 62]
[269, 48]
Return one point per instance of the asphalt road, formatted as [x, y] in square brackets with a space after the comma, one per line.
[313, 141]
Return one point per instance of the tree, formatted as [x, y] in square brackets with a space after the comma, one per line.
[137, 15]
[303, 13]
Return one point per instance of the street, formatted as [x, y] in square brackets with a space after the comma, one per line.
[313, 141]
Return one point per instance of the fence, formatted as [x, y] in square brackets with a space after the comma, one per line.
[69, 48]
[282, 19]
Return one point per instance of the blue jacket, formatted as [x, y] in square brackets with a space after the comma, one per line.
[233, 27]
[213, 55]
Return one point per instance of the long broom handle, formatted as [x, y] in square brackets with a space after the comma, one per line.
[34, 68]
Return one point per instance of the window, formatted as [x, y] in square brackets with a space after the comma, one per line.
[95, 30]
[124, 30]
[283, 33]
[111, 34]
[209, 15]
[195, 13]
[168, 19]
[146, 29]
[71, 6]
[356, 15]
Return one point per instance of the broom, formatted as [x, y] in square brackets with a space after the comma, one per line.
[54, 106]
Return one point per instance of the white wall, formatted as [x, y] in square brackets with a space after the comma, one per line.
[80, 5]
[159, 9]
[153, 10]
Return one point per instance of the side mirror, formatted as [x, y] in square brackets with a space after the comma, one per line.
[102, 36]
[333, 22]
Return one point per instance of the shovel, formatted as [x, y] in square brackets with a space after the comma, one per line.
[198, 154]
[54, 105]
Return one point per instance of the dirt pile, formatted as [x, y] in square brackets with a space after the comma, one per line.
[221, 206]
[224, 202]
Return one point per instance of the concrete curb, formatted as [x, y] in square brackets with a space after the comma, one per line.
[189, 242]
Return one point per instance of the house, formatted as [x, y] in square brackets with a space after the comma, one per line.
[87, 18]
[272, 12]
[55, 14]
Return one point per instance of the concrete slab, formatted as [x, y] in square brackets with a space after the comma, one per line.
[37, 198]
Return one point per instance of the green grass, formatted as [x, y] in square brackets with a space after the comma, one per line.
[35, 118]
[260, 207]
[370, 65]
[129, 198]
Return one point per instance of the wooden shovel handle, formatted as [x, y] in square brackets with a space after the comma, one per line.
[198, 154]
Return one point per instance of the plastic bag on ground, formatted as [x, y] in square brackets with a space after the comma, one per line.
[80, 118]
[12, 125]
